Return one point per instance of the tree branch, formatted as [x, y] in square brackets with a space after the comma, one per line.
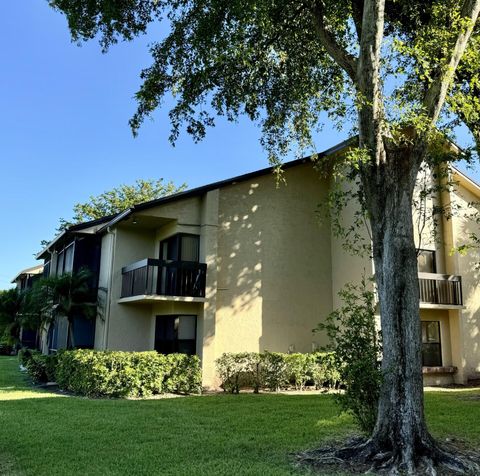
[344, 59]
[357, 14]
[370, 108]
[435, 96]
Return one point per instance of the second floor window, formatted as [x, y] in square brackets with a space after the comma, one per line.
[426, 261]
[65, 260]
[180, 247]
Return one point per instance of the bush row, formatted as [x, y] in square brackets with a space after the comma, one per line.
[133, 374]
[115, 374]
[276, 371]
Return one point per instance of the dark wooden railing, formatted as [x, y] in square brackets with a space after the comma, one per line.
[165, 278]
[440, 289]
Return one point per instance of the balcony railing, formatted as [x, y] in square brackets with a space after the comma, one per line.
[440, 289]
[164, 278]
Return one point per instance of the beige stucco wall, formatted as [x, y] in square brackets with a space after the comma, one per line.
[466, 266]
[185, 211]
[274, 264]
[347, 266]
[129, 326]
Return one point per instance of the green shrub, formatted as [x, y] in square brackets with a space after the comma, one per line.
[299, 369]
[133, 374]
[184, 374]
[239, 370]
[24, 355]
[275, 370]
[36, 368]
[41, 368]
[357, 348]
[324, 371]
[51, 362]
[6, 346]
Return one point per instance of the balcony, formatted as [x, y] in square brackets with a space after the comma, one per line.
[160, 280]
[440, 290]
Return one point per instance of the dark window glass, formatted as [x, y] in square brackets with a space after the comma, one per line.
[169, 249]
[46, 269]
[431, 345]
[68, 261]
[426, 261]
[189, 248]
[52, 337]
[176, 334]
[60, 263]
[180, 248]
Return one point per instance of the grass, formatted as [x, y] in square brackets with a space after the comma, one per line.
[43, 434]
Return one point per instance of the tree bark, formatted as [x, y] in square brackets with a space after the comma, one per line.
[400, 429]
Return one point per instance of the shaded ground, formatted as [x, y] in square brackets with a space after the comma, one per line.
[42, 433]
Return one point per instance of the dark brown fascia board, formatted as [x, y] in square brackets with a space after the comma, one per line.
[222, 183]
[88, 224]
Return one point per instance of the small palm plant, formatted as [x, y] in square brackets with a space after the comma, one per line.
[69, 295]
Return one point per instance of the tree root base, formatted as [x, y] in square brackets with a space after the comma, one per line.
[362, 456]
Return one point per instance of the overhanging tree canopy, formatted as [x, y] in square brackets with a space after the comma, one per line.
[392, 66]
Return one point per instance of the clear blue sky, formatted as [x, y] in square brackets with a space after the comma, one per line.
[64, 131]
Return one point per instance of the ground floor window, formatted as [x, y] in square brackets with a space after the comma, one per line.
[431, 345]
[176, 334]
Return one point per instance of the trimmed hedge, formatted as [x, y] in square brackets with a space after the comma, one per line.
[276, 371]
[41, 368]
[127, 374]
[240, 370]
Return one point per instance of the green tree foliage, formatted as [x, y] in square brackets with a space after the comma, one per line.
[281, 63]
[10, 305]
[119, 199]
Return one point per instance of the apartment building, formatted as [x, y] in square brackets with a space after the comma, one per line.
[244, 265]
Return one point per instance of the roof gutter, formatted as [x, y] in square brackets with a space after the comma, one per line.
[115, 220]
[47, 248]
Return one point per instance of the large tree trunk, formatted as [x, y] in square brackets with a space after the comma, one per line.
[400, 440]
[400, 428]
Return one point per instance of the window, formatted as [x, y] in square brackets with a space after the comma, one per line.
[431, 346]
[68, 262]
[189, 247]
[46, 269]
[60, 263]
[180, 247]
[65, 260]
[176, 334]
[426, 261]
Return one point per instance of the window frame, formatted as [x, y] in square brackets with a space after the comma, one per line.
[176, 340]
[439, 343]
[62, 254]
[178, 239]
[434, 260]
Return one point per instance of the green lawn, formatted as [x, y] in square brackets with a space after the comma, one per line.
[46, 434]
